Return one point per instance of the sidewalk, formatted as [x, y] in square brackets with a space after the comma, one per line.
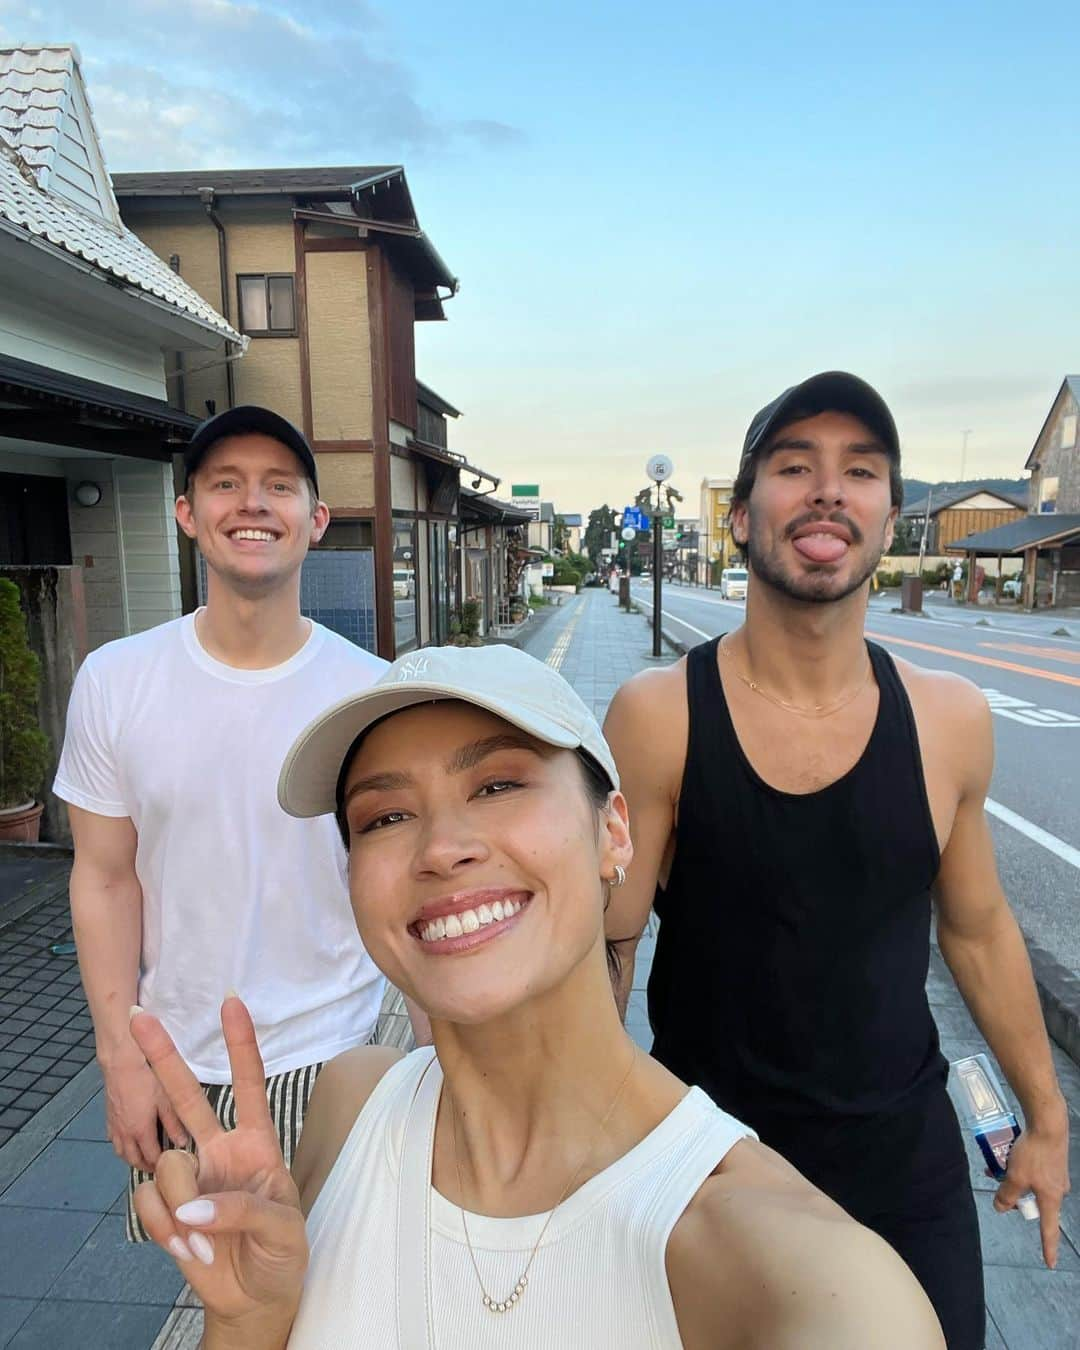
[1043, 623]
[1028, 1306]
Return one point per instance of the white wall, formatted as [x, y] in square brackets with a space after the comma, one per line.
[32, 329]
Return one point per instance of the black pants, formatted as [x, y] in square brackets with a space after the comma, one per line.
[906, 1178]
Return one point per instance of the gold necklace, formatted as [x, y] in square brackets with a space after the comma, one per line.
[504, 1305]
[819, 709]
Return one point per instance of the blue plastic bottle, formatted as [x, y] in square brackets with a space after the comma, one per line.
[987, 1114]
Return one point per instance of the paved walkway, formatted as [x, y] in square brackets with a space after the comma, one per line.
[68, 1281]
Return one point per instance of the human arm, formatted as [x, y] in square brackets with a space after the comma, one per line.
[798, 1273]
[106, 912]
[242, 1246]
[984, 948]
[646, 729]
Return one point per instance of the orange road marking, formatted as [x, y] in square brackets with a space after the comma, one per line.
[1055, 675]
[1054, 653]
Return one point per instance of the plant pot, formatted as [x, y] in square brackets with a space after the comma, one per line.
[21, 823]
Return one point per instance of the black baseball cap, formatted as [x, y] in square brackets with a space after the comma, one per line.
[831, 391]
[248, 417]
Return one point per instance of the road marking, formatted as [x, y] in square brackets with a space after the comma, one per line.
[557, 655]
[664, 614]
[1033, 651]
[1056, 675]
[1035, 832]
[1023, 710]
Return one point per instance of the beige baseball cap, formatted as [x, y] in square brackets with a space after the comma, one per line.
[525, 692]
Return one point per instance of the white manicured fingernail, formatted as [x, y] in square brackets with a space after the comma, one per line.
[134, 1010]
[202, 1247]
[196, 1212]
[231, 993]
[179, 1248]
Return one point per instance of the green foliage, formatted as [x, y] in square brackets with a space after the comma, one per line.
[470, 618]
[560, 535]
[24, 749]
[598, 532]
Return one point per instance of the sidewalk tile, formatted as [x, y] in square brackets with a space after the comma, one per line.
[89, 1123]
[89, 1326]
[13, 1313]
[74, 1174]
[1034, 1309]
[37, 1245]
[109, 1269]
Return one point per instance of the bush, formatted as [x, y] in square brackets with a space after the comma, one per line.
[24, 749]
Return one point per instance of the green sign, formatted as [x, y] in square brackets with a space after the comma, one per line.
[669, 522]
[525, 490]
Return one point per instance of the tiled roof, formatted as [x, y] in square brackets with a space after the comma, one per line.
[28, 111]
[188, 182]
[1028, 532]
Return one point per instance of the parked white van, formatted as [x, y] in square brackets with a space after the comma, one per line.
[733, 583]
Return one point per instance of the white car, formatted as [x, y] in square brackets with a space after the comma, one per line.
[404, 584]
[1013, 588]
[733, 581]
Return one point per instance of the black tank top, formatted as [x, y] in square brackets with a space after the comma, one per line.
[789, 977]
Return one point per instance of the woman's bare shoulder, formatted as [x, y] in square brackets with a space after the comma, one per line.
[341, 1091]
[767, 1255]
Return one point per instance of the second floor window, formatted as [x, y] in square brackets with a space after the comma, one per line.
[267, 305]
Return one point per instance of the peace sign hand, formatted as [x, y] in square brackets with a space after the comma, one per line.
[231, 1219]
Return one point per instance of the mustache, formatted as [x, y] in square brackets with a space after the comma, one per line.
[816, 518]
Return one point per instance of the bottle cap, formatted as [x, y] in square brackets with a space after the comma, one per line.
[1028, 1206]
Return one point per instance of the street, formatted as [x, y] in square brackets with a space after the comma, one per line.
[1032, 680]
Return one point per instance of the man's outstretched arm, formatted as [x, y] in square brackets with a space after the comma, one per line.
[984, 948]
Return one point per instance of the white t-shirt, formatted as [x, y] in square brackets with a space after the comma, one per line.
[236, 894]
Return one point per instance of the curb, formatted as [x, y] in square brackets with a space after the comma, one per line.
[1059, 994]
[677, 646]
[1059, 988]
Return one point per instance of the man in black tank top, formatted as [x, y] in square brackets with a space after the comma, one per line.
[799, 801]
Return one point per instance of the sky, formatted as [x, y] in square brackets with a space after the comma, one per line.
[661, 215]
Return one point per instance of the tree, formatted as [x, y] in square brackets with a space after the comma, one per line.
[23, 748]
[905, 536]
[560, 535]
[598, 533]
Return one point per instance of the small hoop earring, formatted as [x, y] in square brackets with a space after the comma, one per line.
[619, 877]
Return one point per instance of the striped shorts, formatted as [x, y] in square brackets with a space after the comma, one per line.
[288, 1095]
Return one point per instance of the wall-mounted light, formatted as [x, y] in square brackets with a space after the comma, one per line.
[88, 494]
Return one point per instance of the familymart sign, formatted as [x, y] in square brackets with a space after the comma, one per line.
[526, 497]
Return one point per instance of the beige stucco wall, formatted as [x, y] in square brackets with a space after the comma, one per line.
[189, 234]
[269, 374]
[339, 346]
[346, 478]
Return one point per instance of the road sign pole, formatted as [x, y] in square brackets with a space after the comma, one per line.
[658, 564]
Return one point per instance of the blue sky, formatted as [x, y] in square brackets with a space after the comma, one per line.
[661, 216]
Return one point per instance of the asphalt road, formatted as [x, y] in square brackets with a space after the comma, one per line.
[1032, 679]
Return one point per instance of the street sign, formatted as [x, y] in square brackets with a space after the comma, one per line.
[629, 533]
[668, 522]
[635, 518]
[659, 468]
[547, 569]
[671, 539]
[526, 496]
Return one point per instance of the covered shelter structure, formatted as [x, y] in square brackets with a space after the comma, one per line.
[1050, 547]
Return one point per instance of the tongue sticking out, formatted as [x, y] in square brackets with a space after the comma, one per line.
[821, 548]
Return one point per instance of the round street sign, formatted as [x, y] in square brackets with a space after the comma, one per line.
[629, 533]
[659, 468]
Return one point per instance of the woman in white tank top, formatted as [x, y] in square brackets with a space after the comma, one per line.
[534, 1180]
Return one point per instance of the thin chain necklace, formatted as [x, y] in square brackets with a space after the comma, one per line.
[504, 1305]
[819, 709]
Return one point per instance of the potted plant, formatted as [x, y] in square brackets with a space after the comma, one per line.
[24, 748]
[465, 630]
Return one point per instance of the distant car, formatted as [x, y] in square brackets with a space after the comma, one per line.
[404, 585]
[733, 582]
[1013, 588]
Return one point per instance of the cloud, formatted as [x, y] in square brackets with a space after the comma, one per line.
[221, 83]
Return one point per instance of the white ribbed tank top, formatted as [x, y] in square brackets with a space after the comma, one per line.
[598, 1282]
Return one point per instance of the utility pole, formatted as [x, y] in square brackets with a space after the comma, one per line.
[659, 469]
[963, 452]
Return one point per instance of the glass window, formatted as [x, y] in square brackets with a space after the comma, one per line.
[406, 610]
[267, 305]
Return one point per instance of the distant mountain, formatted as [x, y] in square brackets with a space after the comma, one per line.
[915, 489]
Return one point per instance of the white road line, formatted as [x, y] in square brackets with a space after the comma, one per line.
[1049, 841]
[674, 619]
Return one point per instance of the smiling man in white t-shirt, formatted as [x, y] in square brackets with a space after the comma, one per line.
[189, 880]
